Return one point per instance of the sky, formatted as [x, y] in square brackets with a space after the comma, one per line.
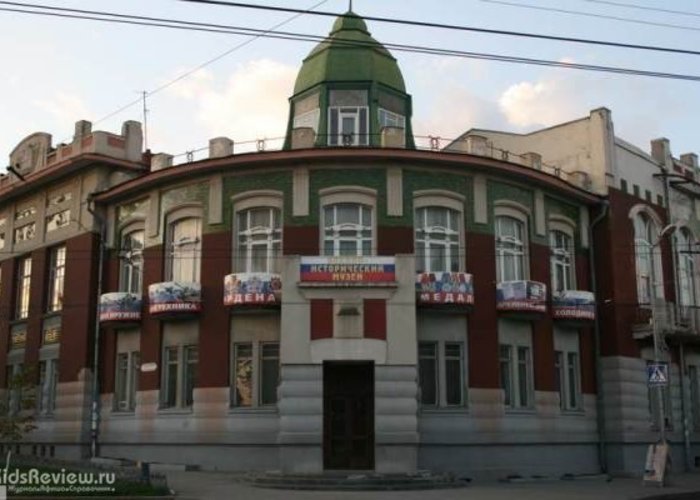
[58, 71]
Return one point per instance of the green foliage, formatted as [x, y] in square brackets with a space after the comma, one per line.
[18, 405]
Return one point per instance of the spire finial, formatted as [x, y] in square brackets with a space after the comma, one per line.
[350, 6]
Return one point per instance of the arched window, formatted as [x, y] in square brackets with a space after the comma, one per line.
[510, 249]
[561, 247]
[686, 267]
[347, 229]
[131, 259]
[185, 249]
[259, 237]
[437, 239]
[648, 262]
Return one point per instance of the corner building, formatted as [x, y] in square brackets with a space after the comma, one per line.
[347, 302]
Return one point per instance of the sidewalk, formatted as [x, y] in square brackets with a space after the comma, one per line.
[222, 485]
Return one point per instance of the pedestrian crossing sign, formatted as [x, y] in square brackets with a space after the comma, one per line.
[657, 374]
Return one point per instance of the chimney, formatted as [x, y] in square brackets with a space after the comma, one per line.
[690, 160]
[133, 138]
[82, 128]
[661, 151]
[160, 161]
[220, 147]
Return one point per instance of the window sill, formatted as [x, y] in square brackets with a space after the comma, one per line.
[444, 411]
[44, 417]
[174, 411]
[577, 412]
[122, 413]
[520, 411]
[254, 410]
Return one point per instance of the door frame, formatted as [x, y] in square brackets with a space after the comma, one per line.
[371, 413]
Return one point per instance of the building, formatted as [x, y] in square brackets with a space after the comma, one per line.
[352, 302]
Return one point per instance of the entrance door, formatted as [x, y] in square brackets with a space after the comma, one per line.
[348, 415]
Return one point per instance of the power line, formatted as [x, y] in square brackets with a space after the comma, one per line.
[355, 43]
[456, 27]
[124, 19]
[585, 14]
[644, 7]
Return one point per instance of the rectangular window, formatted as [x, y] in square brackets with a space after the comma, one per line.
[523, 379]
[128, 368]
[170, 376]
[572, 379]
[23, 287]
[58, 198]
[441, 372]
[25, 212]
[390, 119]
[48, 379]
[428, 373]
[348, 126]
[515, 371]
[635, 189]
[179, 376]
[567, 368]
[269, 373]
[25, 233]
[256, 373]
[560, 377]
[694, 395]
[58, 220]
[454, 374]
[243, 375]
[14, 383]
[623, 185]
[57, 272]
[506, 370]
[190, 375]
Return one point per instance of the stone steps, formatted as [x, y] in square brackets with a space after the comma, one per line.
[355, 481]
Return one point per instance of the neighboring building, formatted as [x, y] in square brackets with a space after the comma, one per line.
[49, 263]
[351, 302]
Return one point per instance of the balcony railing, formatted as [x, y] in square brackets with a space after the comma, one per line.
[521, 296]
[252, 289]
[120, 307]
[444, 288]
[573, 305]
[174, 298]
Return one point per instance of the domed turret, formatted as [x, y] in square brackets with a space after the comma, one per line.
[349, 92]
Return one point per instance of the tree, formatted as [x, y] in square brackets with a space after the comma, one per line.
[17, 408]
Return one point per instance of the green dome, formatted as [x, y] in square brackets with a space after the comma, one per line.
[335, 60]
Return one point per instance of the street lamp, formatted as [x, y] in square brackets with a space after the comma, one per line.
[657, 336]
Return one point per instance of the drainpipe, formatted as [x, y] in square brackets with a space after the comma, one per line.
[600, 404]
[95, 404]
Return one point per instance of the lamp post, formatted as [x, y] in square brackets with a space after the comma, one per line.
[657, 336]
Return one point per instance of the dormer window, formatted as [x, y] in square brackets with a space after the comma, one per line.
[348, 123]
[390, 119]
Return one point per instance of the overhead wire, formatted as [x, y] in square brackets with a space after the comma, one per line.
[586, 14]
[474, 29]
[645, 7]
[393, 46]
[92, 15]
